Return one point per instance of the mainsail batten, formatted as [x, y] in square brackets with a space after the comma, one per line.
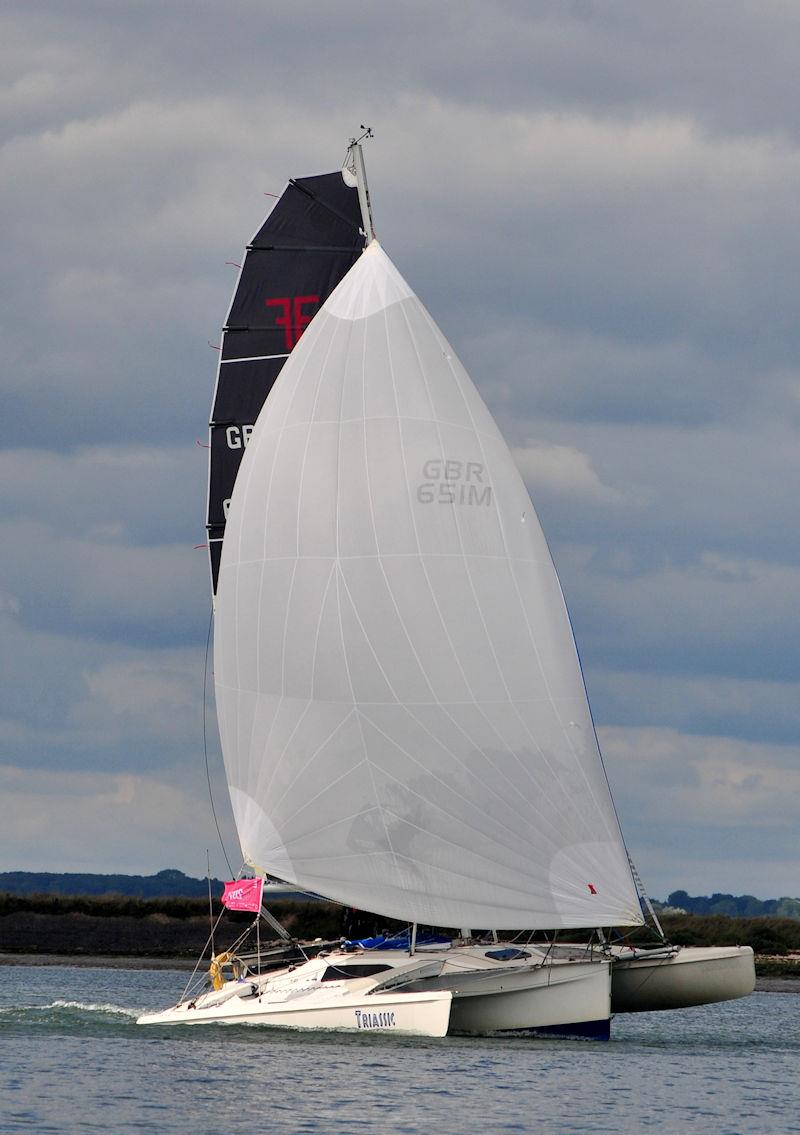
[402, 711]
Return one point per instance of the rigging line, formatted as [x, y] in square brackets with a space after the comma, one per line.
[205, 740]
[209, 942]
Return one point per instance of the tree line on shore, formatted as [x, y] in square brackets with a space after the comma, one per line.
[731, 906]
[57, 919]
[171, 883]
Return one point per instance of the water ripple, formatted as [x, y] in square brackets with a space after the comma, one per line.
[73, 1059]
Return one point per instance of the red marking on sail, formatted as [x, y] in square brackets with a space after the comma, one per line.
[592, 888]
[244, 894]
[293, 319]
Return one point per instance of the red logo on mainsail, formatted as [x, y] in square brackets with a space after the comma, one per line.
[293, 319]
[592, 888]
[243, 894]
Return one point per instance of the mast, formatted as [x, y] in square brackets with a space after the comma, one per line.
[360, 170]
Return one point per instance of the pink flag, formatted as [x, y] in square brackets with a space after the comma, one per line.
[243, 895]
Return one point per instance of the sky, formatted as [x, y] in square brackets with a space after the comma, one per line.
[598, 203]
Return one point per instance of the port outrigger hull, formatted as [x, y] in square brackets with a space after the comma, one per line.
[645, 980]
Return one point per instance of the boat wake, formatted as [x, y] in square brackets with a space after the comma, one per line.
[92, 1007]
[61, 1013]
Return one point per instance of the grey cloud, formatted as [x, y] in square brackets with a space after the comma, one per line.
[628, 59]
[724, 800]
[627, 252]
[140, 821]
[681, 493]
[694, 620]
[107, 590]
[598, 210]
[56, 712]
[749, 709]
[115, 493]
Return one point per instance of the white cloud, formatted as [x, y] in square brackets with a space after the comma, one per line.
[134, 492]
[563, 470]
[706, 813]
[108, 590]
[716, 781]
[153, 696]
[98, 821]
[61, 710]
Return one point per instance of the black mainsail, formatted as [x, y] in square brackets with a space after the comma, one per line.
[307, 243]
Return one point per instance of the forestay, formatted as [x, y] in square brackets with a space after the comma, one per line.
[402, 711]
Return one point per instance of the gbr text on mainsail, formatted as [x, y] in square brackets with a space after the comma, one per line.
[448, 481]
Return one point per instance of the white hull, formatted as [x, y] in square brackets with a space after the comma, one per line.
[298, 998]
[575, 996]
[689, 975]
[433, 992]
[422, 1014]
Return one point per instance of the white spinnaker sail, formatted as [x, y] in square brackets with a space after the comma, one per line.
[402, 711]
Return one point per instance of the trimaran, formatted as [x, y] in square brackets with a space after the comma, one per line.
[403, 716]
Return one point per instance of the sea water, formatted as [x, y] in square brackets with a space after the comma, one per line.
[72, 1059]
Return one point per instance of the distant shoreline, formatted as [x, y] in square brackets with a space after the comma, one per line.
[778, 985]
[98, 961]
[116, 961]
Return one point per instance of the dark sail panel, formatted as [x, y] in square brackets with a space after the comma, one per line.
[237, 406]
[310, 239]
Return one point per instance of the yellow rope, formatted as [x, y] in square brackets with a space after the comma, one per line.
[215, 969]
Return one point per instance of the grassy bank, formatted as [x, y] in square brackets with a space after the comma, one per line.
[778, 967]
[774, 936]
[114, 924]
[775, 941]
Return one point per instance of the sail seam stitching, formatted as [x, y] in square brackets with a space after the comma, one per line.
[310, 760]
[396, 607]
[526, 772]
[421, 559]
[339, 581]
[280, 757]
[460, 539]
[534, 645]
[537, 746]
[449, 787]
